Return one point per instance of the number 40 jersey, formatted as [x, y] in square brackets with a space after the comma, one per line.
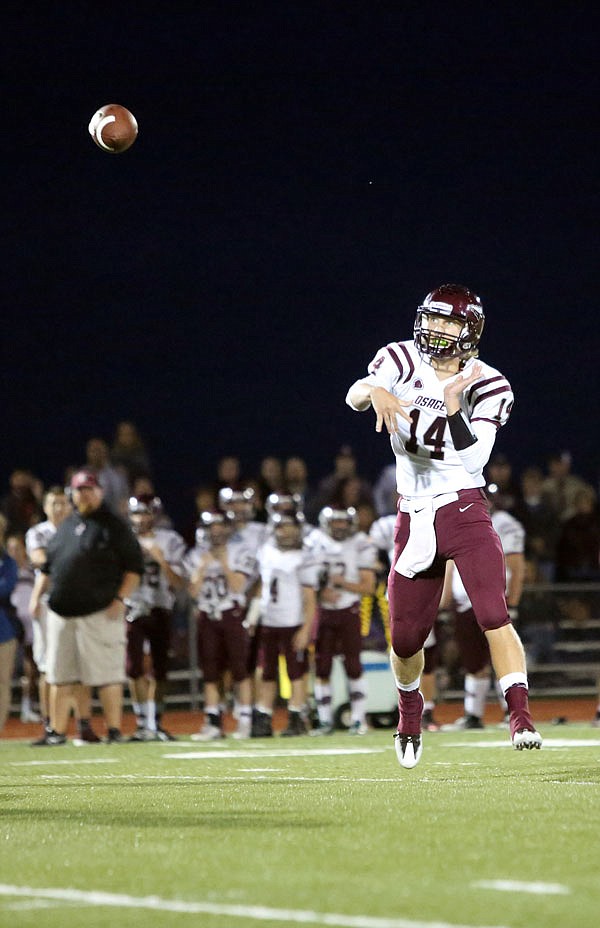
[426, 462]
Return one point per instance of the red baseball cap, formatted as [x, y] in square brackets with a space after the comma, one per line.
[84, 478]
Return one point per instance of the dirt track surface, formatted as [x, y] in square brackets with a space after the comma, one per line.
[182, 723]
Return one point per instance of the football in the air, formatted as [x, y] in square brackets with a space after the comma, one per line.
[113, 128]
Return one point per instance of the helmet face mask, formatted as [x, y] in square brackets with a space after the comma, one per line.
[217, 527]
[339, 524]
[289, 504]
[451, 302]
[142, 511]
[287, 530]
[239, 504]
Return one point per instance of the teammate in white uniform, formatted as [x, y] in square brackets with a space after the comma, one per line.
[219, 579]
[471, 642]
[239, 506]
[289, 579]
[347, 558]
[149, 614]
[442, 409]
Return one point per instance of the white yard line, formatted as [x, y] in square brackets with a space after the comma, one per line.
[255, 912]
[211, 778]
[298, 752]
[71, 763]
[518, 886]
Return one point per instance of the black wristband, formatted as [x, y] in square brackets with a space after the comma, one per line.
[461, 434]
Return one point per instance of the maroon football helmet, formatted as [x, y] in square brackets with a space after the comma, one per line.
[455, 302]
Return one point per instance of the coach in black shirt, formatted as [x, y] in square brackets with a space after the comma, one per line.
[94, 562]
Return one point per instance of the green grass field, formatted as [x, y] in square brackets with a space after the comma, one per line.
[315, 831]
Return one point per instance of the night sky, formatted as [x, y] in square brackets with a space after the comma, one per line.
[304, 174]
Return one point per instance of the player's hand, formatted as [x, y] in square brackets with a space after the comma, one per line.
[329, 595]
[387, 407]
[301, 639]
[457, 385]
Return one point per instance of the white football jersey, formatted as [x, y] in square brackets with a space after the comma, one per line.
[381, 534]
[283, 574]
[215, 596]
[154, 591]
[512, 539]
[426, 462]
[343, 558]
[252, 535]
[39, 535]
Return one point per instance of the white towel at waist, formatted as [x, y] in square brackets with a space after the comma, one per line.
[419, 551]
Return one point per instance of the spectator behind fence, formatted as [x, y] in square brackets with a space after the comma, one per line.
[385, 493]
[499, 473]
[8, 627]
[578, 548]
[540, 521]
[561, 486]
[115, 488]
[21, 505]
[94, 563]
[129, 454]
[295, 474]
[15, 546]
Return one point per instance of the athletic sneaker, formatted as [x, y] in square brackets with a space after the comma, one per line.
[142, 734]
[295, 726]
[407, 740]
[208, 732]
[358, 728]
[465, 723]
[262, 725]
[114, 736]
[163, 735]
[50, 738]
[321, 730]
[86, 736]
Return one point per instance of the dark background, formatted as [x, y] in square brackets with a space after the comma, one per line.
[304, 174]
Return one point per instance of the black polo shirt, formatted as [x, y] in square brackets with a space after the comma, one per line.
[86, 561]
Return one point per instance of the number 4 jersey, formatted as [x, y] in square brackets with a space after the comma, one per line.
[426, 461]
[283, 574]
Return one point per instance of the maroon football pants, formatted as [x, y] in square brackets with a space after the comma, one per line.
[464, 534]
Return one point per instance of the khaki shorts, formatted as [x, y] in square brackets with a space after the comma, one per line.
[87, 649]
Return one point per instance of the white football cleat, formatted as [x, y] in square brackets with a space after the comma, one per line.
[408, 749]
[525, 739]
[208, 732]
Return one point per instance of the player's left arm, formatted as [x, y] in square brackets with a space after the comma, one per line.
[364, 587]
[490, 401]
[309, 608]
